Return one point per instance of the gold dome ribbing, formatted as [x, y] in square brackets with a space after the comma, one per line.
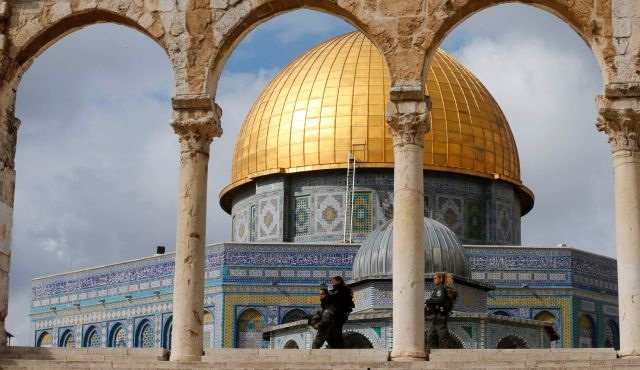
[334, 96]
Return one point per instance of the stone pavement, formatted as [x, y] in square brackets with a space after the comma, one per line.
[27, 358]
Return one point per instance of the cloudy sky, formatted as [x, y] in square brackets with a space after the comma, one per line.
[97, 161]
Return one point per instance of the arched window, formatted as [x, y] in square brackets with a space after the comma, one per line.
[502, 313]
[454, 342]
[250, 324]
[145, 337]
[291, 344]
[294, 315]
[45, 340]
[166, 333]
[67, 340]
[118, 338]
[587, 332]
[511, 341]
[207, 340]
[92, 338]
[356, 340]
[611, 335]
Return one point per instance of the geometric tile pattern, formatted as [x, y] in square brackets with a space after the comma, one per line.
[302, 214]
[329, 213]
[269, 217]
[450, 213]
[362, 213]
[475, 219]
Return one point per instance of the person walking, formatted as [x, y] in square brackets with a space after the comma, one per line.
[342, 299]
[323, 319]
[438, 308]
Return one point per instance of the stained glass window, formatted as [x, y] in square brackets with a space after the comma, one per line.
[69, 341]
[45, 340]
[93, 339]
[147, 338]
[119, 338]
[249, 326]
[362, 213]
[586, 332]
[302, 222]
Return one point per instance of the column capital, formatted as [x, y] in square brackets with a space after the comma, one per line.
[408, 120]
[196, 121]
[620, 120]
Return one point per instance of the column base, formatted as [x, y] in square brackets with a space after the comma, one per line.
[184, 358]
[629, 353]
[404, 356]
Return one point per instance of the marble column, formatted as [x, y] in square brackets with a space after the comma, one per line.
[620, 120]
[408, 122]
[196, 121]
[8, 137]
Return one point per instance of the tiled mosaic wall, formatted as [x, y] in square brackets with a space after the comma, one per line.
[378, 294]
[469, 331]
[310, 207]
[271, 279]
[563, 282]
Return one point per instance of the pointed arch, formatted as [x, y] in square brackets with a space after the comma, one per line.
[44, 340]
[117, 337]
[235, 25]
[249, 326]
[573, 15]
[67, 339]
[31, 43]
[145, 335]
[92, 338]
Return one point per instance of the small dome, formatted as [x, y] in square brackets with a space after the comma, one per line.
[443, 252]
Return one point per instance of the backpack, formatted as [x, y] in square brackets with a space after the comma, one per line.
[452, 297]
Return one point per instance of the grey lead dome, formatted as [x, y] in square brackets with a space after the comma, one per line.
[443, 252]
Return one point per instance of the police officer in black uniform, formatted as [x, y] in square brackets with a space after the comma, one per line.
[437, 309]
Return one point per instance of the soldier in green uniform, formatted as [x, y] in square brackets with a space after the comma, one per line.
[438, 308]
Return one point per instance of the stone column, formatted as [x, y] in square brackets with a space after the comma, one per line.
[8, 137]
[196, 120]
[408, 122]
[620, 120]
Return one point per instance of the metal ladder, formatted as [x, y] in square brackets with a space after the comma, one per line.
[348, 198]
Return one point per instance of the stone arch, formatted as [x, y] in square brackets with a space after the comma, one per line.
[60, 21]
[455, 342]
[291, 344]
[166, 333]
[446, 16]
[586, 331]
[355, 340]
[611, 335]
[294, 315]
[235, 24]
[144, 336]
[117, 336]
[249, 327]
[502, 313]
[92, 337]
[67, 339]
[44, 340]
[208, 330]
[546, 316]
[512, 342]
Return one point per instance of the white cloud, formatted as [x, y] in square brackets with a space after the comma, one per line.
[547, 91]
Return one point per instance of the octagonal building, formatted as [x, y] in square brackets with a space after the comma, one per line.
[289, 171]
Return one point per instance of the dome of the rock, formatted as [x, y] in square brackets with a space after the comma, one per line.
[288, 180]
[332, 99]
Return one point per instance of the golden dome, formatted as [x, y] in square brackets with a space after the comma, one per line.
[332, 99]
